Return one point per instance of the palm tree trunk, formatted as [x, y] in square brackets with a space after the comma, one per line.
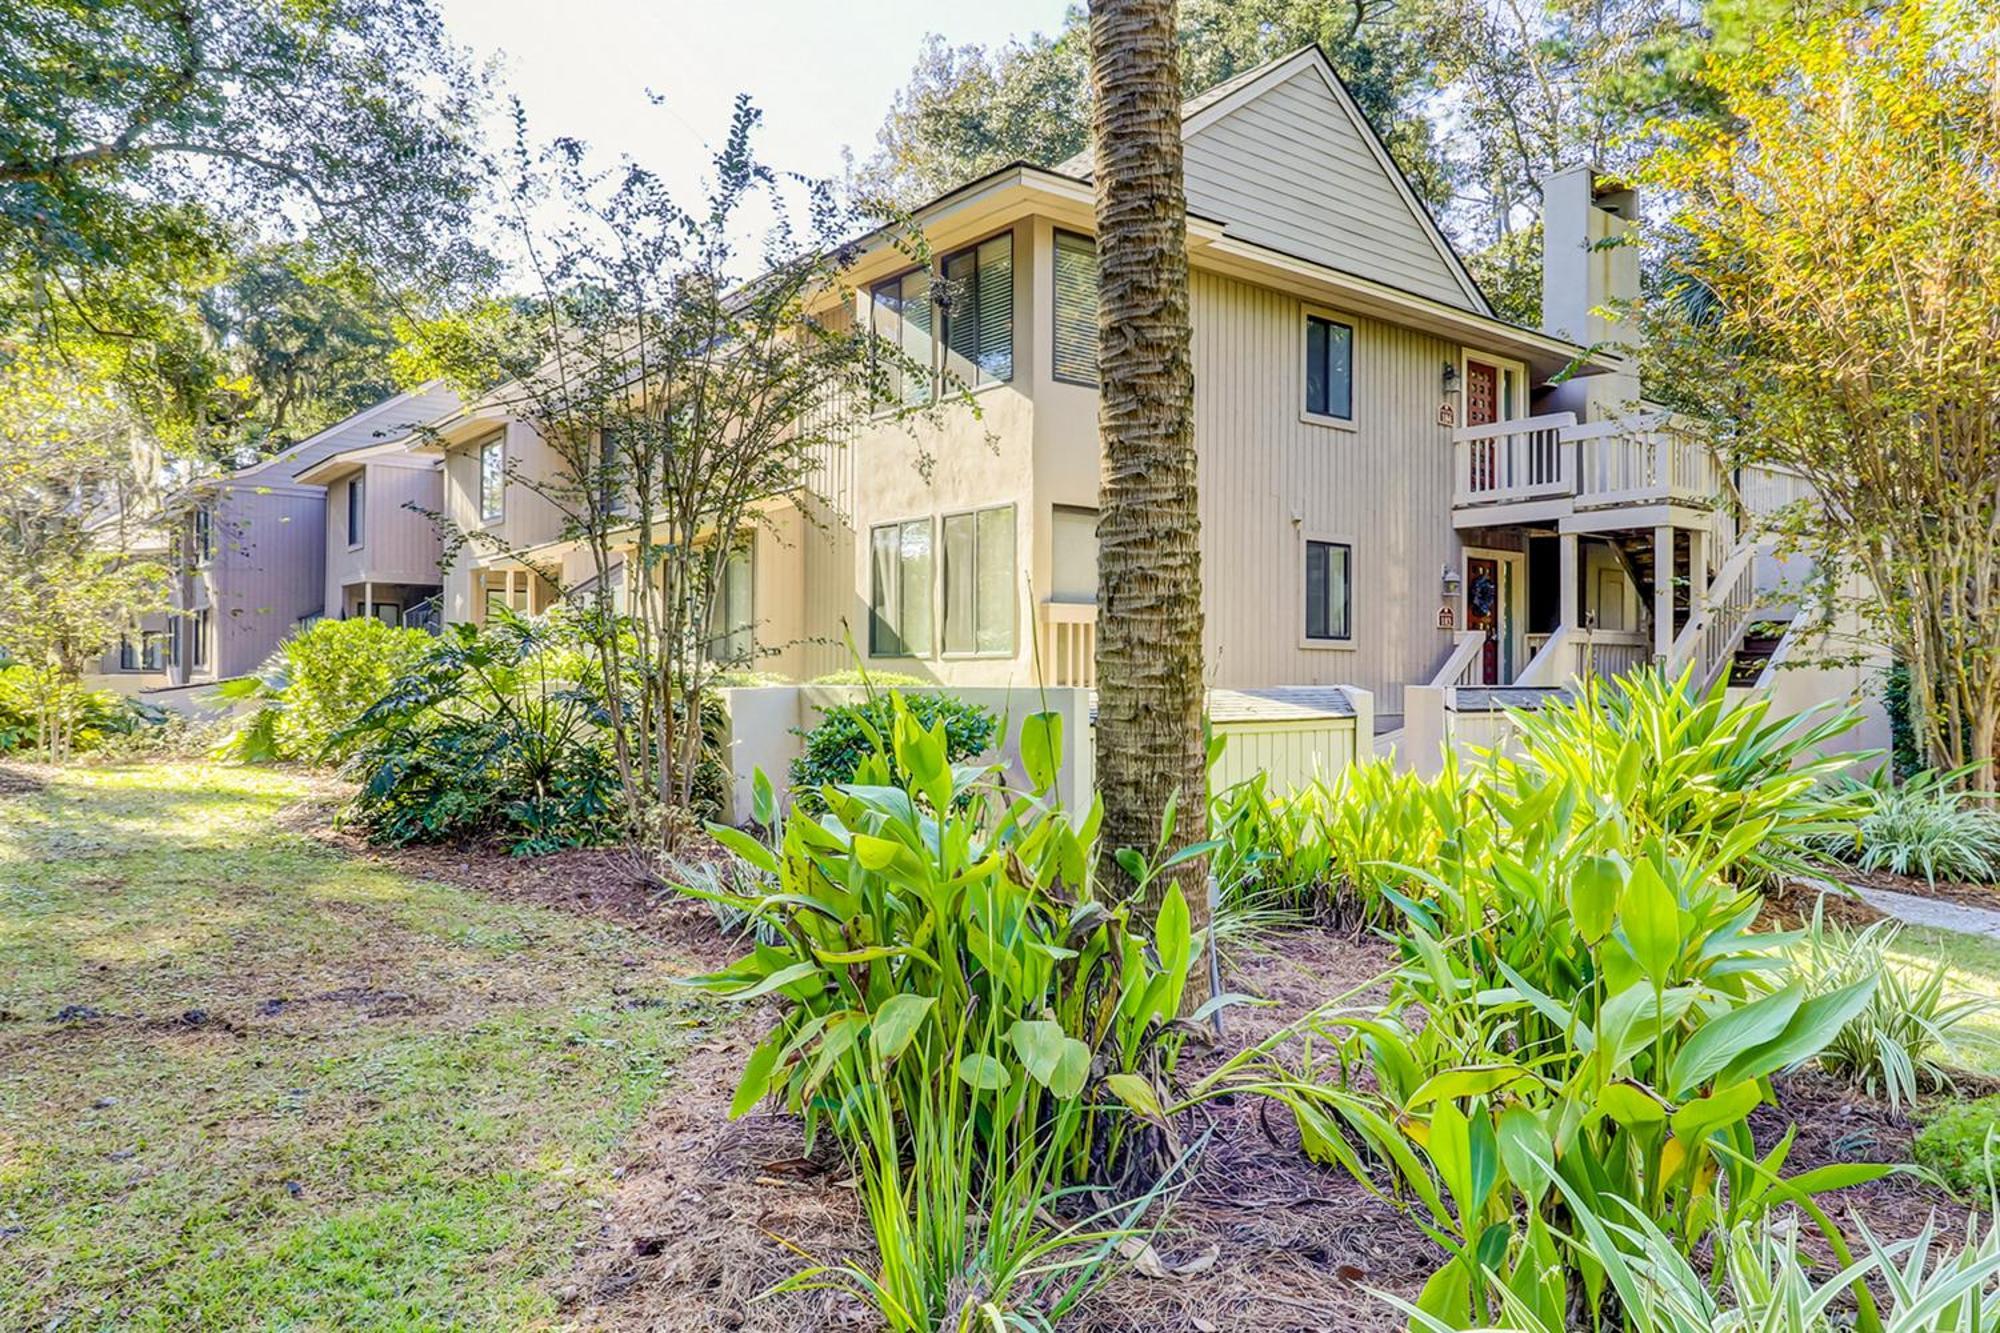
[1150, 747]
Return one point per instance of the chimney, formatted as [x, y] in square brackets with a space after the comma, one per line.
[1590, 280]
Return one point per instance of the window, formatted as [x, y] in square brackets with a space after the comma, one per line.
[900, 319]
[204, 535]
[976, 308]
[610, 473]
[198, 650]
[900, 589]
[128, 656]
[493, 479]
[979, 581]
[355, 509]
[1073, 552]
[1076, 309]
[153, 650]
[729, 616]
[1329, 368]
[1329, 591]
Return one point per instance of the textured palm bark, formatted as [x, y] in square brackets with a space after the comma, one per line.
[1149, 625]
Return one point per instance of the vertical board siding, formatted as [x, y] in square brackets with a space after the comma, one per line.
[1291, 170]
[1292, 755]
[1270, 479]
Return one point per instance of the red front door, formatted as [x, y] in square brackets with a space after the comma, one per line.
[1482, 408]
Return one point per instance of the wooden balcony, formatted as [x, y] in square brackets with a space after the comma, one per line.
[1588, 477]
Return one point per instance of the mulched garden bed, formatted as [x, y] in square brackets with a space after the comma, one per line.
[711, 1212]
[1954, 891]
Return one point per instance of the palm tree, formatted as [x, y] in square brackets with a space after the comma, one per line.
[1150, 746]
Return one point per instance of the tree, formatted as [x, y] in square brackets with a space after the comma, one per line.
[68, 583]
[1151, 750]
[1840, 225]
[142, 140]
[968, 110]
[683, 408]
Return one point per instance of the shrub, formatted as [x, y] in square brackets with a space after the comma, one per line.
[97, 717]
[494, 731]
[874, 680]
[1924, 825]
[1888, 1048]
[1961, 1143]
[849, 733]
[314, 687]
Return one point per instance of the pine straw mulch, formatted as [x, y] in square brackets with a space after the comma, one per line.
[1954, 891]
[710, 1213]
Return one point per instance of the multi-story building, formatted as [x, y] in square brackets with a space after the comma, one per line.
[1398, 488]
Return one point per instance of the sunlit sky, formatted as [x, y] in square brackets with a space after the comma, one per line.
[823, 73]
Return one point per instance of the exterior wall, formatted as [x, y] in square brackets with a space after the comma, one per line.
[266, 574]
[1270, 480]
[1291, 170]
[397, 546]
[527, 519]
[109, 672]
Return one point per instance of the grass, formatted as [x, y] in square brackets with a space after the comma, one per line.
[316, 1093]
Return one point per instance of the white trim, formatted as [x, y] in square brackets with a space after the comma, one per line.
[1013, 601]
[1467, 354]
[1282, 71]
[479, 448]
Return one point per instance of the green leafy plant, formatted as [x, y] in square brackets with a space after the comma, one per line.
[1889, 1049]
[1959, 1141]
[976, 1026]
[493, 731]
[316, 685]
[1924, 825]
[847, 734]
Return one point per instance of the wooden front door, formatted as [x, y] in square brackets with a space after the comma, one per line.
[1484, 603]
[1482, 408]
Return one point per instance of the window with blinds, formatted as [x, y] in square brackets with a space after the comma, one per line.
[900, 318]
[1329, 591]
[900, 572]
[976, 306]
[979, 581]
[1076, 309]
[731, 617]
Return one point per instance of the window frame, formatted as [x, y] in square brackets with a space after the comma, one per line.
[1308, 540]
[939, 556]
[198, 649]
[930, 649]
[747, 548]
[899, 405]
[202, 536]
[1056, 235]
[128, 653]
[357, 510]
[497, 513]
[1509, 411]
[1341, 319]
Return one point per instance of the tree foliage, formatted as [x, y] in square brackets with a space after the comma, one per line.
[1841, 227]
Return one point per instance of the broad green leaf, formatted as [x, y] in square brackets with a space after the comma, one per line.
[1630, 1105]
[1053, 1058]
[1699, 1118]
[1815, 1024]
[745, 847]
[1138, 1094]
[1472, 1081]
[1652, 921]
[1724, 1039]
[757, 1074]
[1594, 889]
[782, 977]
[984, 1073]
[1524, 1147]
[895, 1023]
[1041, 749]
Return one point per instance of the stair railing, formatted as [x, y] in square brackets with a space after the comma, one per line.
[1716, 626]
[1461, 667]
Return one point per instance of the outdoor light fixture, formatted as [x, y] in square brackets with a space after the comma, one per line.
[1452, 581]
[1450, 377]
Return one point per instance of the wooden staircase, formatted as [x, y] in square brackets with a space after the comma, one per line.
[1635, 552]
[1753, 654]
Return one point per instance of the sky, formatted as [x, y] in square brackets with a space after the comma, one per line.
[822, 72]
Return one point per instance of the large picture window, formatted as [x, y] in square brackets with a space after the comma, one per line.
[901, 566]
[1076, 309]
[1329, 368]
[979, 581]
[1329, 591]
[493, 480]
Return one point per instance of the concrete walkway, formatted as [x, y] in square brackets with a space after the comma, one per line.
[1933, 912]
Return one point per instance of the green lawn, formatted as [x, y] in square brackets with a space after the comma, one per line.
[318, 1094]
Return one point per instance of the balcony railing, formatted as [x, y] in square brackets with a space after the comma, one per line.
[1069, 643]
[1644, 459]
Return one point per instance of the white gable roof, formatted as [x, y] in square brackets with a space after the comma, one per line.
[1282, 156]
